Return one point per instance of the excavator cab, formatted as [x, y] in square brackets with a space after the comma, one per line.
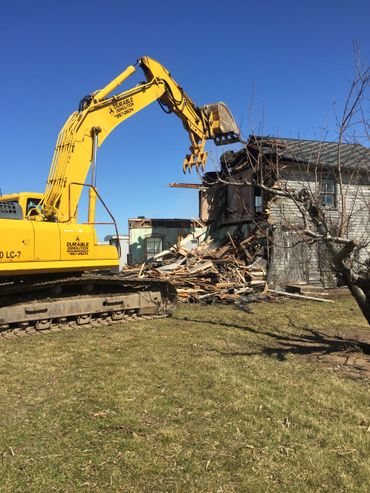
[20, 206]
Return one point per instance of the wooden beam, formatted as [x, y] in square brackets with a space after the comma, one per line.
[192, 186]
[299, 296]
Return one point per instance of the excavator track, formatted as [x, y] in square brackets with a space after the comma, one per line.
[39, 306]
[20, 332]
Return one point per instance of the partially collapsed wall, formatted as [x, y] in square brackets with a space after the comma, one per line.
[231, 204]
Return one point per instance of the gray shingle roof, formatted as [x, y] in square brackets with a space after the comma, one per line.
[313, 152]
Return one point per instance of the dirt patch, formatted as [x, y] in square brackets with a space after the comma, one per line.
[342, 293]
[345, 350]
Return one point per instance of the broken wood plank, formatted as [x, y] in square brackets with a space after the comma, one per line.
[232, 242]
[241, 277]
[140, 274]
[299, 296]
[196, 186]
[201, 268]
[171, 267]
[199, 222]
[257, 282]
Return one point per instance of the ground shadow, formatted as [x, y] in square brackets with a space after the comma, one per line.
[346, 348]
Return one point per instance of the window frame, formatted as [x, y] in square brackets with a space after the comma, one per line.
[327, 178]
[160, 238]
[258, 209]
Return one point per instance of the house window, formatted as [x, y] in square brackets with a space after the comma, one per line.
[153, 246]
[327, 190]
[258, 205]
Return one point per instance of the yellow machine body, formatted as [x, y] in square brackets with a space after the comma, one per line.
[34, 247]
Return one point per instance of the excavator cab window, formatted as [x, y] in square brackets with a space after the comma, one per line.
[10, 209]
[33, 206]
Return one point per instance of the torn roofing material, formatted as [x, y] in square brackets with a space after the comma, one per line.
[312, 152]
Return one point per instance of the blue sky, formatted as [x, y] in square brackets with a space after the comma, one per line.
[280, 65]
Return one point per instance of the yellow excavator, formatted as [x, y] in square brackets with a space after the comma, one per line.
[53, 272]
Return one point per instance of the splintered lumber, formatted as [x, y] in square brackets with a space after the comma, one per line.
[140, 274]
[215, 271]
[201, 268]
[257, 282]
[232, 241]
[241, 277]
[246, 253]
[199, 222]
[172, 266]
[299, 296]
[220, 252]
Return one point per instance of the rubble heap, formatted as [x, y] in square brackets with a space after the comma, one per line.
[215, 271]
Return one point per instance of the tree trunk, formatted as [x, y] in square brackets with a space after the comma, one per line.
[362, 300]
[359, 287]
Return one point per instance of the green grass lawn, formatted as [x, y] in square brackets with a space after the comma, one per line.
[211, 400]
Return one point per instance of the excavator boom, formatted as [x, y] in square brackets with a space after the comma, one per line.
[99, 114]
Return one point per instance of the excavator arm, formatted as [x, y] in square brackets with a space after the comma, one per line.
[99, 114]
[213, 121]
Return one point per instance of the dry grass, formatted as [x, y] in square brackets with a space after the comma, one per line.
[212, 400]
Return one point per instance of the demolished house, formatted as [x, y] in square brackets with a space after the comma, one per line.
[247, 240]
[230, 203]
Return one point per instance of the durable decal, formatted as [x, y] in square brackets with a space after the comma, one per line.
[123, 107]
[78, 247]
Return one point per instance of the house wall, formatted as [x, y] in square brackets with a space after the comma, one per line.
[230, 203]
[295, 261]
[212, 204]
[170, 235]
[239, 199]
[124, 247]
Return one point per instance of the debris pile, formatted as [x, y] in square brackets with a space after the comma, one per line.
[215, 271]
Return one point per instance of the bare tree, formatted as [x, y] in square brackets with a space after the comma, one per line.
[320, 191]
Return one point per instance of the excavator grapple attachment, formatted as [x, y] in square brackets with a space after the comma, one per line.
[224, 127]
[197, 159]
[221, 127]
